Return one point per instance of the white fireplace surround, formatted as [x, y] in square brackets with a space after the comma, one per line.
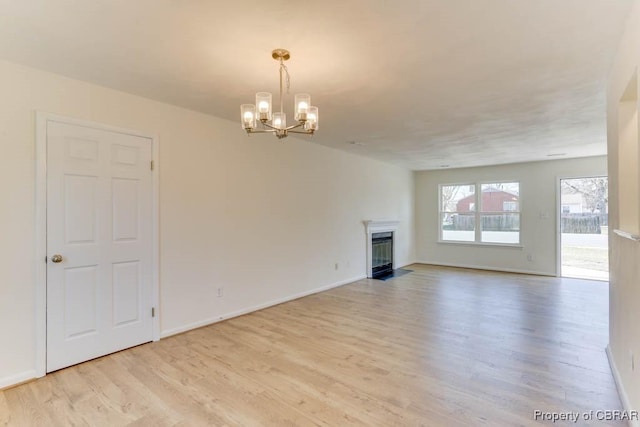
[379, 226]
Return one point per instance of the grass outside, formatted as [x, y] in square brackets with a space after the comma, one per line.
[584, 257]
[584, 252]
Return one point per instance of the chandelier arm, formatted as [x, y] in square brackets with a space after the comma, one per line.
[261, 130]
[271, 128]
[295, 126]
[275, 129]
[304, 132]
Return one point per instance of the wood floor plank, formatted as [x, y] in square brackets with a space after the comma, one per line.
[54, 401]
[5, 412]
[25, 410]
[436, 347]
[120, 391]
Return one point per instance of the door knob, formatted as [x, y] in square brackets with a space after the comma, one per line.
[56, 258]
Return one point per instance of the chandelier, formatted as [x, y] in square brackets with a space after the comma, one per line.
[305, 115]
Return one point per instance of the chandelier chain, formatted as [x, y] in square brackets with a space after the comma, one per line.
[283, 68]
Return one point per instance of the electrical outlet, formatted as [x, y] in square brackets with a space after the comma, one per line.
[337, 266]
[529, 257]
[220, 292]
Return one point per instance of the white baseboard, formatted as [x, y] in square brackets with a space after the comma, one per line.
[484, 267]
[17, 378]
[624, 399]
[210, 321]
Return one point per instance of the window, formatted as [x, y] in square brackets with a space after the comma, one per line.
[499, 224]
[494, 206]
[457, 205]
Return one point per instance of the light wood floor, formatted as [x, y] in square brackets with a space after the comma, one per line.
[436, 347]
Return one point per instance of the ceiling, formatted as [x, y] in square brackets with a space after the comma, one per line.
[424, 84]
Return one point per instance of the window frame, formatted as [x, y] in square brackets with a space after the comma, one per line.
[479, 212]
[442, 212]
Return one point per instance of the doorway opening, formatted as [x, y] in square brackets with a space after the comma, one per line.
[584, 225]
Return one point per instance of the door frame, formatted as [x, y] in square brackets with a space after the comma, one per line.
[558, 217]
[558, 214]
[42, 118]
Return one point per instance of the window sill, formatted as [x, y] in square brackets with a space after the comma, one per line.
[477, 244]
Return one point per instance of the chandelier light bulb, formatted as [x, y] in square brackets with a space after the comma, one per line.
[263, 103]
[279, 121]
[248, 116]
[312, 119]
[302, 102]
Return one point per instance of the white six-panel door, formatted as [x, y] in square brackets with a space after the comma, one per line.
[99, 223]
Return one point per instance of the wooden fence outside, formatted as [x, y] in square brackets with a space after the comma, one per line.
[507, 222]
[569, 223]
[582, 223]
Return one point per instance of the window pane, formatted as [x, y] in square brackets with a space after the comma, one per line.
[501, 228]
[459, 227]
[500, 197]
[457, 198]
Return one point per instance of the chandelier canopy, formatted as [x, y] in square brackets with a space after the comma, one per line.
[305, 114]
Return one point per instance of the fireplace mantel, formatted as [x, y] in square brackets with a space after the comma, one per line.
[379, 226]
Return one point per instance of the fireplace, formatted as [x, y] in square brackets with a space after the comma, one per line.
[381, 254]
[381, 246]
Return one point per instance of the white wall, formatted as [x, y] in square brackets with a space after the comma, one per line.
[538, 184]
[624, 291]
[263, 218]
